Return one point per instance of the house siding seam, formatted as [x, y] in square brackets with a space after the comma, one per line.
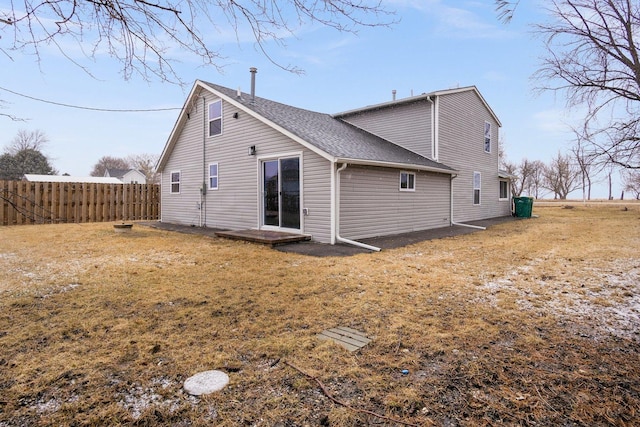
[373, 205]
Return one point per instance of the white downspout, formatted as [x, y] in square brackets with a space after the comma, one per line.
[204, 160]
[342, 239]
[434, 130]
[451, 204]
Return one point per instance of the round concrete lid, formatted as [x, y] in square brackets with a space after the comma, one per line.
[206, 382]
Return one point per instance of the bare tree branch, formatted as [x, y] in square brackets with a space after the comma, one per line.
[592, 57]
[143, 34]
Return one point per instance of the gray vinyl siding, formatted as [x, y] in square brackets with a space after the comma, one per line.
[186, 157]
[407, 125]
[461, 146]
[236, 202]
[372, 204]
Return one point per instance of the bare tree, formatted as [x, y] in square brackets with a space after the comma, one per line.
[529, 177]
[523, 171]
[145, 163]
[631, 180]
[535, 185]
[587, 163]
[142, 35]
[108, 162]
[592, 57]
[27, 140]
[561, 176]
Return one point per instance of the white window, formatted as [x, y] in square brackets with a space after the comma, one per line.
[175, 182]
[407, 181]
[504, 190]
[487, 137]
[476, 188]
[215, 118]
[213, 176]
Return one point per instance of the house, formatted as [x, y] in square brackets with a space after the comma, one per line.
[72, 179]
[238, 161]
[127, 176]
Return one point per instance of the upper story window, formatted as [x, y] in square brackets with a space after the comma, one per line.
[487, 137]
[213, 176]
[477, 184]
[175, 182]
[407, 181]
[215, 118]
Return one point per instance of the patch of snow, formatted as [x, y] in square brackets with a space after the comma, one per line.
[138, 399]
[605, 300]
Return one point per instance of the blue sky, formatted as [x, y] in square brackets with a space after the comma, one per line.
[438, 44]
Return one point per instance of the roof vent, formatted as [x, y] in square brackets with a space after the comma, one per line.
[253, 71]
[393, 94]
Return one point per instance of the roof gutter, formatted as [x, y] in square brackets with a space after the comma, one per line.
[338, 237]
[396, 165]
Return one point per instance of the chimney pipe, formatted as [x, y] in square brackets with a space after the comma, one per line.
[253, 71]
[393, 94]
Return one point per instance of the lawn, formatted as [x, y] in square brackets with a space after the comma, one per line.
[532, 322]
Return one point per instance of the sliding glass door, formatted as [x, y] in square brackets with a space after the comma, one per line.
[281, 193]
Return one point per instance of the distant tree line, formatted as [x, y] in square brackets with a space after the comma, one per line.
[145, 163]
[24, 155]
[566, 173]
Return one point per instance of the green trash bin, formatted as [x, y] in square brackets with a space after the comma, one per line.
[523, 206]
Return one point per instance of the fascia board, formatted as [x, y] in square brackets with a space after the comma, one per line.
[171, 141]
[394, 165]
[419, 98]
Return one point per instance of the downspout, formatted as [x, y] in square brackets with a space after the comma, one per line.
[433, 129]
[204, 162]
[342, 239]
[477, 227]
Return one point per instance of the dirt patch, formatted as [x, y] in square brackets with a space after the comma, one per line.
[527, 323]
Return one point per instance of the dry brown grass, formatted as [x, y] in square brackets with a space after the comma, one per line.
[528, 323]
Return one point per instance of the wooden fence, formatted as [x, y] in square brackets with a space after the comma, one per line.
[23, 202]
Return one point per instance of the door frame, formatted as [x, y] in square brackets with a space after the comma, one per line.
[279, 156]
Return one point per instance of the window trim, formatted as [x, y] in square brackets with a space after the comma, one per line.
[506, 183]
[216, 176]
[209, 119]
[487, 137]
[172, 182]
[409, 181]
[477, 188]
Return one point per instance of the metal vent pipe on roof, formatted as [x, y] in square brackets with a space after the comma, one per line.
[393, 94]
[253, 71]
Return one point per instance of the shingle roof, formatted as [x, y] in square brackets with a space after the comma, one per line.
[331, 135]
[117, 173]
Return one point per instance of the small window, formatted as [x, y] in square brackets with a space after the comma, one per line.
[487, 137]
[215, 118]
[213, 176]
[407, 181]
[175, 182]
[476, 188]
[504, 190]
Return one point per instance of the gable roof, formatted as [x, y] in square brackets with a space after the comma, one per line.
[118, 173]
[322, 133]
[421, 97]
